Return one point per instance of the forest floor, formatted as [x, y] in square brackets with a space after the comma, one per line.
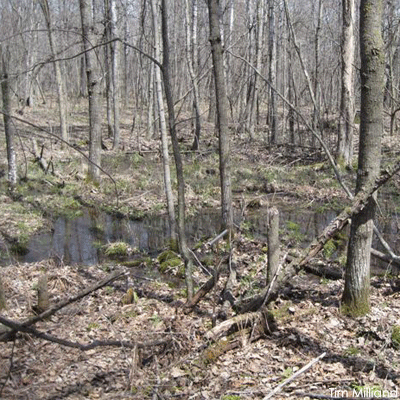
[175, 356]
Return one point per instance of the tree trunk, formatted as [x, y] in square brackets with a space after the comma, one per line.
[8, 123]
[62, 106]
[94, 90]
[163, 126]
[222, 114]
[115, 61]
[345, 138]
[191, 51]
[183, 247]
[355, 299]
[272, 105]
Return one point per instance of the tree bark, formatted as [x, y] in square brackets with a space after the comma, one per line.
[8, 123]
[222, 113]
[163, 126]
[356, 297]
[94, 90]
[345, 138]
[183, 247]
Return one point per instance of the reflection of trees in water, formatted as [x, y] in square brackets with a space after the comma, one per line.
[76, 241]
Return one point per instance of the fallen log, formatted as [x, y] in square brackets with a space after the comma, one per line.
[359, 202]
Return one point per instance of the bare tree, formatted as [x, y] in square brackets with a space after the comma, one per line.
[94, 89]
[222, 113]
[62, 106]
[345, 138]
[355, 300]
[8, 123]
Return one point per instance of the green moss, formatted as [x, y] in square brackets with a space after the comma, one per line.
[116, 250]
[329, 248]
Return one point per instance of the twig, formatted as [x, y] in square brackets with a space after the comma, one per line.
[294, 376]
[9, 370]
[220, 236]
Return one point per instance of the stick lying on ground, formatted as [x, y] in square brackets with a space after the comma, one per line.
[46, 314]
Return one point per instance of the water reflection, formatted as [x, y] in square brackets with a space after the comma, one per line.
[77, 241]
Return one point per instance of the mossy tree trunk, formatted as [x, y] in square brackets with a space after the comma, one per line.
[356, 296]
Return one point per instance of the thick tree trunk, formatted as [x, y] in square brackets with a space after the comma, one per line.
[94, 90]
[222, 114]
[355, 299]
[345, 138]
[8, 123]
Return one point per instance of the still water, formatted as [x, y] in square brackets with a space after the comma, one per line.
[77, 241]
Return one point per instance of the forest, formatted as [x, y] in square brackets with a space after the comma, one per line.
[199, 199]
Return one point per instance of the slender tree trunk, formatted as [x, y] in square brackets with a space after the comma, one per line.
[62, 106]
[355, 299]
[344, 153]
[222, 114]
[183, 247]
[8, 123]
[191, 51]
[115, 62]
[272, 104]
[163, 125]
[94, 90]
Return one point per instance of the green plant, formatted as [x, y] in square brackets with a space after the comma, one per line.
[155, 319]
[396, 337]
[230, 397]
[287, 373]
[109, 290]
[351, 351]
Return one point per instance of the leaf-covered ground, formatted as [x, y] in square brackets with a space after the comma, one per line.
[361, 354]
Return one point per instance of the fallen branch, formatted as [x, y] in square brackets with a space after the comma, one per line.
[223, 329]
[18, 327]
[46, 314]
[323, 396]
[294, 376]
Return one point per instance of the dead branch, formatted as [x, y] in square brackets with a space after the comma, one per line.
[323, 396]
[46, 314]
[18, 327]
[294, 376]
